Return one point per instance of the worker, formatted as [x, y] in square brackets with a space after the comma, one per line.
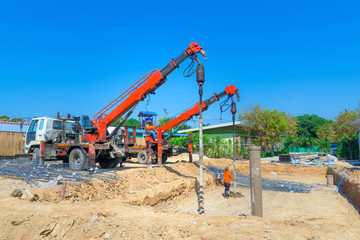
[151, 129]
[227, 178]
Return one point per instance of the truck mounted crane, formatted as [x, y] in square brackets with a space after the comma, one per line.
[92, 142]
[161, 146]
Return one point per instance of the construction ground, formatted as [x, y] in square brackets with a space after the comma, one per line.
[161, 203]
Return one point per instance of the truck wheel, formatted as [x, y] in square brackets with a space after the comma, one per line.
[108, 162]
[76, 159]
[164, 158]
[117, 160]
[36, 154]
[142, 157]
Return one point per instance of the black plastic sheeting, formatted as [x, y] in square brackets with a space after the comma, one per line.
[36, 174]
[267, 184]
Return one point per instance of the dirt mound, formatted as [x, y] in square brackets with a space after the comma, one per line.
[146, 186]
[155, 185]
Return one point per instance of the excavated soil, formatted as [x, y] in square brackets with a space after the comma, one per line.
[138, 186]
[351, 181]
[161, 203]
[299, 173]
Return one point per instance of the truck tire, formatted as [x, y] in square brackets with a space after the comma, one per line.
[142, 157]
[108, 162]
[164, 158]
[76, 159]
[118, 160]
[36, 154]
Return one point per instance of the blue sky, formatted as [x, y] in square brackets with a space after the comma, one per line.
[301, 57]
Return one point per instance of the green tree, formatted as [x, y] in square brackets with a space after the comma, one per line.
[307, 125]
[251, 118]
[326, 131]
[306, 142]
[166, 120]
[132, 122]
[274, 124]
[342, 125]
[267, 125]
[324, 145]
[348, 147]
[182, 141]
[288, 142]
[179, 141]
[16, 119]
[4, 118]
[129, 122]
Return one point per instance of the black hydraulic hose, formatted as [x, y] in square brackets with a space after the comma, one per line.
[122, 122]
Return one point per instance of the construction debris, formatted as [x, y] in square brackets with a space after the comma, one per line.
[16, 193]
[37, 175]
[27, 195]
[235, 195]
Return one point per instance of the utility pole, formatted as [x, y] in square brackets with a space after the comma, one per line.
[233, 111]
[200, 79]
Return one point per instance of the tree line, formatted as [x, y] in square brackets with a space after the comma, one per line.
[6, 118]
[269, 127]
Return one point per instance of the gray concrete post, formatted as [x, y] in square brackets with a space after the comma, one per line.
[329, 180]
[255, 182]
[148, 154]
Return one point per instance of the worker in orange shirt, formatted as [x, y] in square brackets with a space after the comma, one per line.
[151, 129]
[227, 179]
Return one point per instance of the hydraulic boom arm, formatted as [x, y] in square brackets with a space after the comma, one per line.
[138, 91]
[185, 116]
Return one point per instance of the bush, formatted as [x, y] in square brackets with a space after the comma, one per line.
[348, 147]
[244, 153]
[324, 146]
[179, 141]
[263, 155]
[269, 154]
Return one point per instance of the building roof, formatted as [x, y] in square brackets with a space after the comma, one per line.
[356, 123]
[141, 131]
[13, 127]
[237, 123]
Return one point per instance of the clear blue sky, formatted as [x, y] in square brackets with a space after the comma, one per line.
[301, 57]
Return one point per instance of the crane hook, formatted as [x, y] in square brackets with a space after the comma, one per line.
[202, 51]
[238, 96]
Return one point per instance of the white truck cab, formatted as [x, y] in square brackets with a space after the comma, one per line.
[45, 129]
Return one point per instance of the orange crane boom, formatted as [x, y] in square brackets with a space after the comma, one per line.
[187, 115]
[138, 92]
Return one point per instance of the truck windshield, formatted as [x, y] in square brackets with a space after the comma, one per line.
[57, 124]
[69, 125]
[33, 126]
